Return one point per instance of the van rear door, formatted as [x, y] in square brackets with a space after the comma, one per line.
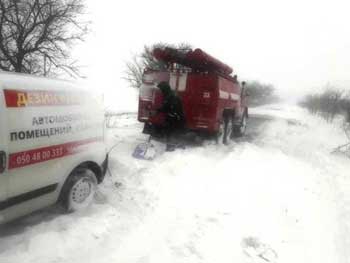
[3, 158]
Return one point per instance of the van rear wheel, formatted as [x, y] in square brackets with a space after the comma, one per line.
[79, 190]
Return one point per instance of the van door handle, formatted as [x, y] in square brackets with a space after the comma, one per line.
[2, 161]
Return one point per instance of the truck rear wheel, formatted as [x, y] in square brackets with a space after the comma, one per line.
[239, 130]
[79, 190]
[225, 130]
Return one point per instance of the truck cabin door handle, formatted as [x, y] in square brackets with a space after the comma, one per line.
[2, 161]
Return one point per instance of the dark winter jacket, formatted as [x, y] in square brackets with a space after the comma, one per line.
[172, 106]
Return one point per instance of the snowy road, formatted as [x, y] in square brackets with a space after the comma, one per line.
[276, 196]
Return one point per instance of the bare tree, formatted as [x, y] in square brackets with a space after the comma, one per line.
[260, 93]
[36, 36]
[134, 71]
[135, 67]
[328, 104]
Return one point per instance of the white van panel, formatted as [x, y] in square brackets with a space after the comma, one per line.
[50, 127]
[3, 148]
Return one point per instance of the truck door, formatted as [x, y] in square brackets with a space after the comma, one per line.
[3, 158]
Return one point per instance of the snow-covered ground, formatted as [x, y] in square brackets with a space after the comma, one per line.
[278, 197]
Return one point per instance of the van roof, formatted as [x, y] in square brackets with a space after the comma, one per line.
[27, 81]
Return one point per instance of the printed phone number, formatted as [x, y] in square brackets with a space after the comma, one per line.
[35, 157]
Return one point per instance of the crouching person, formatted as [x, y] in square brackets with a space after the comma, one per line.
[174, 115]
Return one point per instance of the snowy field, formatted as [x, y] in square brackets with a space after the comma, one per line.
[277, 195]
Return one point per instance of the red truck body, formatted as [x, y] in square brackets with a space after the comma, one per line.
[208, 92]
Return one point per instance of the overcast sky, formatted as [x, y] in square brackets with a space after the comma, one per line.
[295, 45]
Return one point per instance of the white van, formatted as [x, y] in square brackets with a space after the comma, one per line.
[51, 145]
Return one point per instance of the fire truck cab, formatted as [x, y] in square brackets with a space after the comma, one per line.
[214, 102]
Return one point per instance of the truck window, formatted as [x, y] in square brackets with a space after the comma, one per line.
[146, 91]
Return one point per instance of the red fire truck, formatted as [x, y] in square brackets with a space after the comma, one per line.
[214, 102]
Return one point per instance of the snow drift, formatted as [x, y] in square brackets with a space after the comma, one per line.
[278, 197]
